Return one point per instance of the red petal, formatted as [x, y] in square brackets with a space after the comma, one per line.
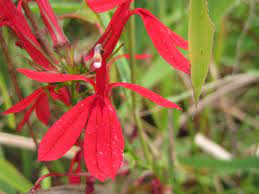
[42, 109]
[65, 132]
[25, 102]
[52, 23]
[62, 94]
[110, 142]
[90, 144]
[147, 94]
[104, 5]
[48, 77]
[104, 142]
[165, 40]
[113, 32]
[14, 18]
[25, 118]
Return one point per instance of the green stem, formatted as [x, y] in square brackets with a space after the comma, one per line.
[162, 9]
[132, 62]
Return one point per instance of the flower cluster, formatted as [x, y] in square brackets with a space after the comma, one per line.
[103, 143]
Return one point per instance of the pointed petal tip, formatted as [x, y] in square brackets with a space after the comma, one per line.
[165, 40]
[6, 112]
[179, 108]
[23, 70]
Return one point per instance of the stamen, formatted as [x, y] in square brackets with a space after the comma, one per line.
[98, 56]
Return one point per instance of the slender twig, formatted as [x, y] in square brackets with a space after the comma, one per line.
[206, 88]
[11, 71]
[171, 149]
[27, 143]
[36, 29]
[212, 98]
[10, 66]
[234, 111]
[211, 147]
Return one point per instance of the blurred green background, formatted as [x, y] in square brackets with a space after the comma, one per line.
[181, 143]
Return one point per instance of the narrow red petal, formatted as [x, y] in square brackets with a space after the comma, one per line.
[13, 18]
[42, 109]
[25, 118]
[47, 77]
[65, 132]
[52, 23]
[154, 97]
[25, 102]
[104, 149]
[165, 40]
[110, 142]
[61, 94]
[90, 143]
[104, 142]
[104, 5]
[113, 32]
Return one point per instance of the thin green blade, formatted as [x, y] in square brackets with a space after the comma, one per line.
[11, 176]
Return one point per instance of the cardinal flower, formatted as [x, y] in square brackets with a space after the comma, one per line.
[103, 140]
[13, 18]
[38, 101]
[164, 40]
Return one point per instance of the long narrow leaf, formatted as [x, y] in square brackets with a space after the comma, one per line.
[11, 176]
[201, 32]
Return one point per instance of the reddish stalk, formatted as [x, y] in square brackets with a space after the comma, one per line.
[10, 65]
[37, 185]
[35, 27]
[11, 71]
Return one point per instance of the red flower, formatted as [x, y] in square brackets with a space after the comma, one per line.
[14, 19]
[52, 23]
[165, 40]
[39, 102]
[103, 140]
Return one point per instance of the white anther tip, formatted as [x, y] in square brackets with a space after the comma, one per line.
[97, 64]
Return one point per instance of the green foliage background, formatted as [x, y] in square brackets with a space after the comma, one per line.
[230, 120]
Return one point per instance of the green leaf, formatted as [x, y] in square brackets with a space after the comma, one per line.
[11, 176]
[6, 189]
[201, 32]
[221, 166]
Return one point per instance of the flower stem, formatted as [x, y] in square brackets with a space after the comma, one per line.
[132, 61]
[11, 71]
[36, 28]
[10, 66]
[162, 9]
